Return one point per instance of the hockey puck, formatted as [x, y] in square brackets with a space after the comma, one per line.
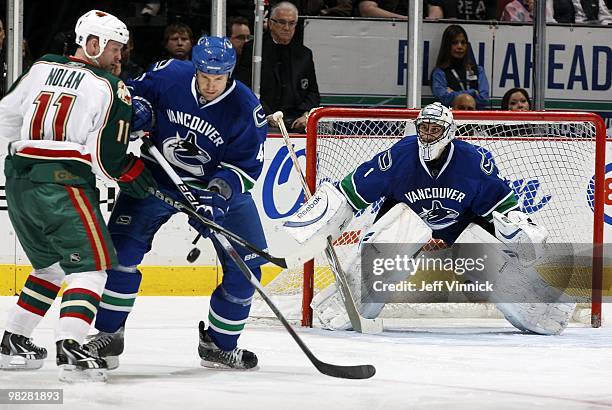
[193, 255]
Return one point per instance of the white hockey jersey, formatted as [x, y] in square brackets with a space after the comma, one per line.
[66, 110]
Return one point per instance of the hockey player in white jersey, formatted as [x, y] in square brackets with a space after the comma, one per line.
[67, 120]
[445, 187]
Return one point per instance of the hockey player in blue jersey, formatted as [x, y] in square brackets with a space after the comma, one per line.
[447, 182]
[447, 186]
[211, 129]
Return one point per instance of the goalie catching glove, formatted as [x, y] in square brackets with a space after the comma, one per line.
[521, 235]
[213, 206]
[137, 180]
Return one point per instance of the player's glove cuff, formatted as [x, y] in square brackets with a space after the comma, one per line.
[137, 181]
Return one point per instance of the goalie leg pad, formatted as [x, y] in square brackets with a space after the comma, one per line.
[328, 307]
[514, 281]
[399, 225]
[538, 318]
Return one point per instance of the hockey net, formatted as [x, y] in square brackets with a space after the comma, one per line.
[554, 162]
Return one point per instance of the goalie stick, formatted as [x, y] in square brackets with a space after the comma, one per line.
[345, 372]
[358, 322]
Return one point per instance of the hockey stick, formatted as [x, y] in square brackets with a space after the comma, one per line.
[143, 136]
[345, 372]
[358, 322]
[188, 209]
[193, 203]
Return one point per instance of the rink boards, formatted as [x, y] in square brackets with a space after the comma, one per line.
[166, 271]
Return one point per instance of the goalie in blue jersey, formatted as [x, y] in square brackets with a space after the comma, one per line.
[435, 186]
[211, 129]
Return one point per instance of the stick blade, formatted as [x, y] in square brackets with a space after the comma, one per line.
[370, 326]
[364, 371]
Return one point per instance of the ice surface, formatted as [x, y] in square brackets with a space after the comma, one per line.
[421, 364]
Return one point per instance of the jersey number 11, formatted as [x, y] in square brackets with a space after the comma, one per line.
[63, 102]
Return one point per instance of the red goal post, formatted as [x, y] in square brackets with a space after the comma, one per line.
[583, 132]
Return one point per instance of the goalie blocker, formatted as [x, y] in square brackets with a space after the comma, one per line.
[325, 214]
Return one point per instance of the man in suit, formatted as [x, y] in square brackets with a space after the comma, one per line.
[288, 80]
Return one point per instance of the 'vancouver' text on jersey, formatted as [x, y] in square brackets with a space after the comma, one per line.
[467, 185]
[204, 140]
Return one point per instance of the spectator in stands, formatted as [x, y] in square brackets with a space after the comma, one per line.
[464, 102]
[516, 99]
[456, 72]
[288, 80]
[522, 11]
[63, 43]
[382, 8]
[462, 9]
[178, 40]
[129, 69]
[3, 67]
[238, 32]
[151, 8]
[26, 56]
[591, 12]
[564, 11]
[336, 8]
[581, 11]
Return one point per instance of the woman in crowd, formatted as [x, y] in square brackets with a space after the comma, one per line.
[456, 72]
[516, 99]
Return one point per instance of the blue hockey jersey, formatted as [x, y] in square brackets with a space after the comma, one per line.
[219, 139]
[466, 186]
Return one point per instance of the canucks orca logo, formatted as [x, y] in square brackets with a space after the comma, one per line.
[186, 154]
[439, 217]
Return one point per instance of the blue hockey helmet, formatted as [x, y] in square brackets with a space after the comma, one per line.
[214, 55]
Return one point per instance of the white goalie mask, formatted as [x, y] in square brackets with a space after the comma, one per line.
[103, 25]
[431, 144]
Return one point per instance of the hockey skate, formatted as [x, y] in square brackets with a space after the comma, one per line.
[215, 358]
[17, 352]
[107, 346]
[77, 364]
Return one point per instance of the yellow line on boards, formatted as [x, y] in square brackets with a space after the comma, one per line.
[156, 280]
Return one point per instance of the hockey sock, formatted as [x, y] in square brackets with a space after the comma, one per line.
[118, 298]
[37, 296]
[227, 317]
[80, 304]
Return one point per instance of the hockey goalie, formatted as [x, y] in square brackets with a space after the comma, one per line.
[435, 187]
